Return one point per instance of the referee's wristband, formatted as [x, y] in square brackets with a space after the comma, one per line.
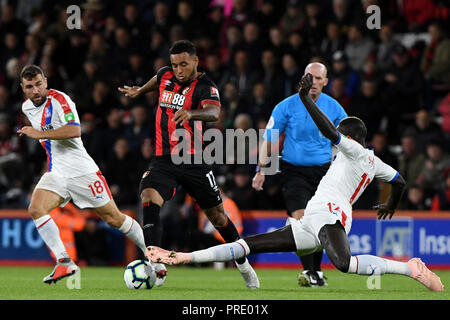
[258, 169]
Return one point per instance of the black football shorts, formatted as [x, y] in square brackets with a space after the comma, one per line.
[300, 184]
[197, 180]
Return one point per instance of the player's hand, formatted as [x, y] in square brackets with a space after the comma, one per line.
[30, 132]
[182, 116]
[132, 92]
[384, 211]
[258, 181]
[305, 85]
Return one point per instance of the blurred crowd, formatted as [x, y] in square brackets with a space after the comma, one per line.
[396, 79]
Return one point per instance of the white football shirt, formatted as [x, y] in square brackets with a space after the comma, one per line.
[67, 158]
[353, 168]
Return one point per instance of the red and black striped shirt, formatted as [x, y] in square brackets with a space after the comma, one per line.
[173, 96]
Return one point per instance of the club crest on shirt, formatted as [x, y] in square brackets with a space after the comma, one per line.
[214, 92]
[185, 91]
[371, 161]
[47, 114]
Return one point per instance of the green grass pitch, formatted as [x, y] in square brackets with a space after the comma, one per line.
[106, 283]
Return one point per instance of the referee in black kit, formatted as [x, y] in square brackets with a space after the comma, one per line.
[305, 157]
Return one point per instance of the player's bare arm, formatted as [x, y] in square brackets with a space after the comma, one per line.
[388, 208]
[210, 112]
[136, 91]
[320, 119]
[65, 132]
[264, 154]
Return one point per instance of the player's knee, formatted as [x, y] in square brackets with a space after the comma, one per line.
[146, 195]
[219, 221]
[297, 214]
[217, 217]
[36, 212]
[151, 195]
[341, 262]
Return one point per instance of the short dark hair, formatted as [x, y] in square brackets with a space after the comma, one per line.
[30, 71]
[354, 128]
[183, 46]
[435, 142]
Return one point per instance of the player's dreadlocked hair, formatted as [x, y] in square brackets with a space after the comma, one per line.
[30, 71]
[354, 128]
[183, 46]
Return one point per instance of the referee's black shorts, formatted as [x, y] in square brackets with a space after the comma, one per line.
[300, 184]
[197, 180]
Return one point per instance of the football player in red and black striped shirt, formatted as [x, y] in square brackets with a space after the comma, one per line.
[187, 98]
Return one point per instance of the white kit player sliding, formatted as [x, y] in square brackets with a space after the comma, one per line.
[71, 172]
[328, 215]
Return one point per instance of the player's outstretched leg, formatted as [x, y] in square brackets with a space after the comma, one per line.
[335, 242]
[280, 240]
[414, 268]
[220, 253]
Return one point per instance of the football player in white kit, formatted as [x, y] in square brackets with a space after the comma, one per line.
[71, 172]
[328, 215]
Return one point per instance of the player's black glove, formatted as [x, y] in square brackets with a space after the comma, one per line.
[384, 211]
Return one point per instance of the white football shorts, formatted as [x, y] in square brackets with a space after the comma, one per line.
[88, 191]
[306, 230]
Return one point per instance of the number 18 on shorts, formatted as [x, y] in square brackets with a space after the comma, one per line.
[87, 191]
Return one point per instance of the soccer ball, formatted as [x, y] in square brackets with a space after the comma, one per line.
[139, 274]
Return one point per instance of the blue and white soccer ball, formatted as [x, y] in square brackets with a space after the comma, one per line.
[139, 274]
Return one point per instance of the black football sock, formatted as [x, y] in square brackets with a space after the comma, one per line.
[151, 224]
[307, 262]
[230, 234]
[317, 257]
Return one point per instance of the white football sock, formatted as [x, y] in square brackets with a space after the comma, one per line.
[133, 230]
[369, 265]
[49, 232]
[222, 252]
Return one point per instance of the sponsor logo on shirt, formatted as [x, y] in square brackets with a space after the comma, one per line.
[69, 117]
[172, 100]
[47, 127]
